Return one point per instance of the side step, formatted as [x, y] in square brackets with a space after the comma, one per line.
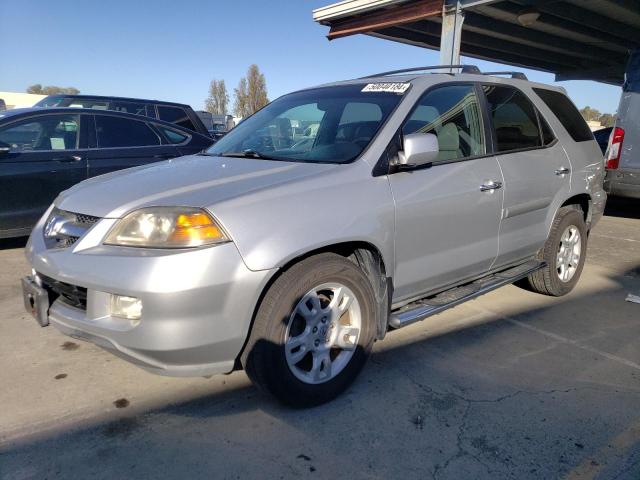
[426, 307]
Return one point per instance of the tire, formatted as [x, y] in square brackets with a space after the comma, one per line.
[286, 318]
[547, 280]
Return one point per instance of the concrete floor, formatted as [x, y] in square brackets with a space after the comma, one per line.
[513, 385]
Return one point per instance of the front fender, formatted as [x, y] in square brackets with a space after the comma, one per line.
[273, 226]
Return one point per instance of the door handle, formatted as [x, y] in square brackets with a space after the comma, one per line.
[562, 171]
[164, 156]
[68, 159]
[490, 186]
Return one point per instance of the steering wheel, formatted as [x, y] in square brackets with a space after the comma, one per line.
[263, 143]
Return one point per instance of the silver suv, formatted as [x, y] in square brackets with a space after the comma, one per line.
[328, 218]
[622, 159]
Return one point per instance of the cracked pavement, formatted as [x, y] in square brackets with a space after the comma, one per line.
[512, 385]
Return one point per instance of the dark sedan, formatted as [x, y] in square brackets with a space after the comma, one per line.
[45, 151]
[602, 137]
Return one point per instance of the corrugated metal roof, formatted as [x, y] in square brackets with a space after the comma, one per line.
[575, 39]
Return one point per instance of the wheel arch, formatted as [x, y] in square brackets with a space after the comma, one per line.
[364, 254]
[583, 200]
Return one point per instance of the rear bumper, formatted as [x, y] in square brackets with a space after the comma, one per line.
[623, 183]
[598, 203]
[196, 304]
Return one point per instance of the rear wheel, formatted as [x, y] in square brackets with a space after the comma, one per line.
[564, 253]
[313, 331]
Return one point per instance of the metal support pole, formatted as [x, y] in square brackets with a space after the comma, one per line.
[452, 19]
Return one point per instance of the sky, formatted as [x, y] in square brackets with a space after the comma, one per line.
[171, 50]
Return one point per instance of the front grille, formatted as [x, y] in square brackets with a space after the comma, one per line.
[86, 219]
[70, 294]
[62, 229]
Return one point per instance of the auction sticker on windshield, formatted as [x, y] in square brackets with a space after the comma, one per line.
[386, 87]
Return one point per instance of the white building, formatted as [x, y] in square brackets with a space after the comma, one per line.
[19, 99]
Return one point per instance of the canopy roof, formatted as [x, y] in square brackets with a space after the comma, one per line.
[575, 39]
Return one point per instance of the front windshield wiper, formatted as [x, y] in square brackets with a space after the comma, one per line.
[248, 153]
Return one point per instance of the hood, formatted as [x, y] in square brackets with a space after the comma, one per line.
[196, 180]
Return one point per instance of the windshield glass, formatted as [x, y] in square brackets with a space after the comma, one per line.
[62, 101]
[50, 101]
[330, 124]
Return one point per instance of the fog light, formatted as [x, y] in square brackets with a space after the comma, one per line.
[126, 307]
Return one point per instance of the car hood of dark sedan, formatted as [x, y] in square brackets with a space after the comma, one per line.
[197, 180]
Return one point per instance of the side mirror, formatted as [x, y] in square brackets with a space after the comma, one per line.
[419, 149]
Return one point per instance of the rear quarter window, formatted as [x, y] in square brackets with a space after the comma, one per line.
[175, 115]
[567, 114]
[173, 136]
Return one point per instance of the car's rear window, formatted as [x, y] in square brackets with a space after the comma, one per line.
[567, 113]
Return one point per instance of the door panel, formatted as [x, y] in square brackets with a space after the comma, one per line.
[43, 161]
[531, 187]
[535, 168]
[446, 228]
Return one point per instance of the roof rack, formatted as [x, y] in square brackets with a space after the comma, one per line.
[464, 69]
[516, 75]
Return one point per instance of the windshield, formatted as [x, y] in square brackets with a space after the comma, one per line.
[50, 101]
[329, 125]
[62, 101]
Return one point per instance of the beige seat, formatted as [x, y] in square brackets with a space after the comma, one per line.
[449, 142]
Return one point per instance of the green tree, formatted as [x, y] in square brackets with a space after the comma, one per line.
[251, 93]
[607, 120]
[256, 89]
[218, 98]
[590, 114]
[52, 90]
[241, 104]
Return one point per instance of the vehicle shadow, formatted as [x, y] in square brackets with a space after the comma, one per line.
[17, 242]
[544, 392]
[622, 207]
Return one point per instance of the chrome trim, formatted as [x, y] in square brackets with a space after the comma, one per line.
[427, 307]
[62, 229]
[490, 186]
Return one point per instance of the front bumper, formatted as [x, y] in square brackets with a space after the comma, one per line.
[197, 303]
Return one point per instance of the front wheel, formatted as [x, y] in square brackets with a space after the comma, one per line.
[313, 331]
[564, 253]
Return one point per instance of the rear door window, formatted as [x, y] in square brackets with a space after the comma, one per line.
[48, 132]
[116, 132]
[567, 113]
[175, 115]
[514, 117]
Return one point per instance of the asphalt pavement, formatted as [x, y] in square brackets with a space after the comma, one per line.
[512, 385]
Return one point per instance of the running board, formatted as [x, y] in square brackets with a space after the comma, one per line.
[426, 307]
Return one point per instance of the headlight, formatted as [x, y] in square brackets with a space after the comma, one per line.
[166, 227]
